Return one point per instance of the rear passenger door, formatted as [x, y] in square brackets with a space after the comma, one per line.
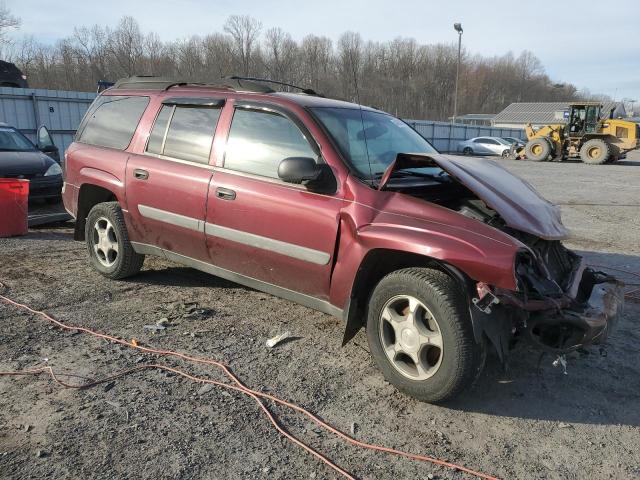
[261, 227]
[167, 185]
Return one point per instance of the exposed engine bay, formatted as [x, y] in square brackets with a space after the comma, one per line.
[560, 303]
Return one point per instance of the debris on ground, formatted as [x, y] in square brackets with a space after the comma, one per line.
[273, 341]
[154, 328]
[561, 360]
[205, 389]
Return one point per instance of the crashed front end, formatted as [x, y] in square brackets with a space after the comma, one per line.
[560, 303]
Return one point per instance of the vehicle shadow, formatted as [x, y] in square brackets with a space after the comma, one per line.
[601, 384]
[178, 276]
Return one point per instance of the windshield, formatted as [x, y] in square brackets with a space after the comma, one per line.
[372, 149]
[501, 140]
[13, 141]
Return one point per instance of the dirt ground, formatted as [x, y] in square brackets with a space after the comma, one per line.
[530, 422]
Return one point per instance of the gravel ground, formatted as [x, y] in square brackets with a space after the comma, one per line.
[529, 422]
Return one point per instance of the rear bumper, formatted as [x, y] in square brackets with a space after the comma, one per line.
[564, 324]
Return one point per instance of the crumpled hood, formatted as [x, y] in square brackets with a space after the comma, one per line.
[514, 199]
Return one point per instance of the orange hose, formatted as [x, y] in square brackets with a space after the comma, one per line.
[240, 387]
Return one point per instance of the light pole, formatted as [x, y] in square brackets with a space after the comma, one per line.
[458, 28]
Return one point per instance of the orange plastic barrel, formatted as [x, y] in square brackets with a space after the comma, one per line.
[14, 206]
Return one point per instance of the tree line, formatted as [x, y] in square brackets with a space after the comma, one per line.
[401, 76]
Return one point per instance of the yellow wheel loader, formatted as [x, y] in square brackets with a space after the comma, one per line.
[594, 138]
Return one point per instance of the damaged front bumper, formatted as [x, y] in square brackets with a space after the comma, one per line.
[585, 314]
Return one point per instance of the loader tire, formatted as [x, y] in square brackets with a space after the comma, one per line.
[538, 149]
[595, 151]
[614, 153]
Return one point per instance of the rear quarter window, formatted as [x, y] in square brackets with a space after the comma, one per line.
[111, 121]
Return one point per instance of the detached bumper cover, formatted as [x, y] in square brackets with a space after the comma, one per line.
[605, 307]
[564, 324]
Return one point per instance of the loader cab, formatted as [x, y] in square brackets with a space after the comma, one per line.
[583, 119]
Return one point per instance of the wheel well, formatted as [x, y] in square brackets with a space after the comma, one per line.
[88, 197]
[376, 265]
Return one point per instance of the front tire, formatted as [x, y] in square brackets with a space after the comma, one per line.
[595, 151]
[538, 149]
[467, 151]
[110, 251]
[420, 334]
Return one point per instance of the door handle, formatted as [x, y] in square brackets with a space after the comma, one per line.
[140, 174]
[225, 193]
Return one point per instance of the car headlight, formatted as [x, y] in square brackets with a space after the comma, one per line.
[54, 169]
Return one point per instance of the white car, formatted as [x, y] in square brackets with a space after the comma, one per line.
[485, 146]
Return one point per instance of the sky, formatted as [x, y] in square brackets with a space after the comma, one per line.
[592, 44]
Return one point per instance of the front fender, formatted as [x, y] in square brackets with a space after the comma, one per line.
[480, 258]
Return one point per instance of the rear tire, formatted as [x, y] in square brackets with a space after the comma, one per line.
[444, 367]
[467, 151]
[595, 151]
[110, 251]
[538, 149]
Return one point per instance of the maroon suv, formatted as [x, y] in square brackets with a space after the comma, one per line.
[342, 208]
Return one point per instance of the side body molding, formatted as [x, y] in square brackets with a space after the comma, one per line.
[257, 241]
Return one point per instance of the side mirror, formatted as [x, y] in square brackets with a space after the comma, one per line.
[301, 170]
[49, 149]
[46, 145]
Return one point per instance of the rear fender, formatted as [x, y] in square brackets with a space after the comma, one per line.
[97, 186]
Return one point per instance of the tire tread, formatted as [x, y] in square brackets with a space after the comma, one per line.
[131, 262]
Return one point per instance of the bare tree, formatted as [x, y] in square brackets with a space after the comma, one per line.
[126, 46]
[280, 55]
[400, 76]
[244, 31]
[8, 22]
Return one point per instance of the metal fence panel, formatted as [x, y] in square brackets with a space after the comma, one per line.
[447, 136]
[59, 110]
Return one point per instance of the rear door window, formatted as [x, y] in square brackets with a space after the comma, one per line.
[259, 140]
[112, 120]
[184, 132]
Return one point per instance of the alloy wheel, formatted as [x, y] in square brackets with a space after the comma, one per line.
[105, 242]
[411, 337]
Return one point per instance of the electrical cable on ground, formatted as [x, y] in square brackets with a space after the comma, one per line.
[239, 387]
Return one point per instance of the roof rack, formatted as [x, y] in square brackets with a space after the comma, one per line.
[148, 82]
[239, 84]
[307, 91]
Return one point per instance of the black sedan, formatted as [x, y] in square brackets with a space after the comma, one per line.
[19, 158]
